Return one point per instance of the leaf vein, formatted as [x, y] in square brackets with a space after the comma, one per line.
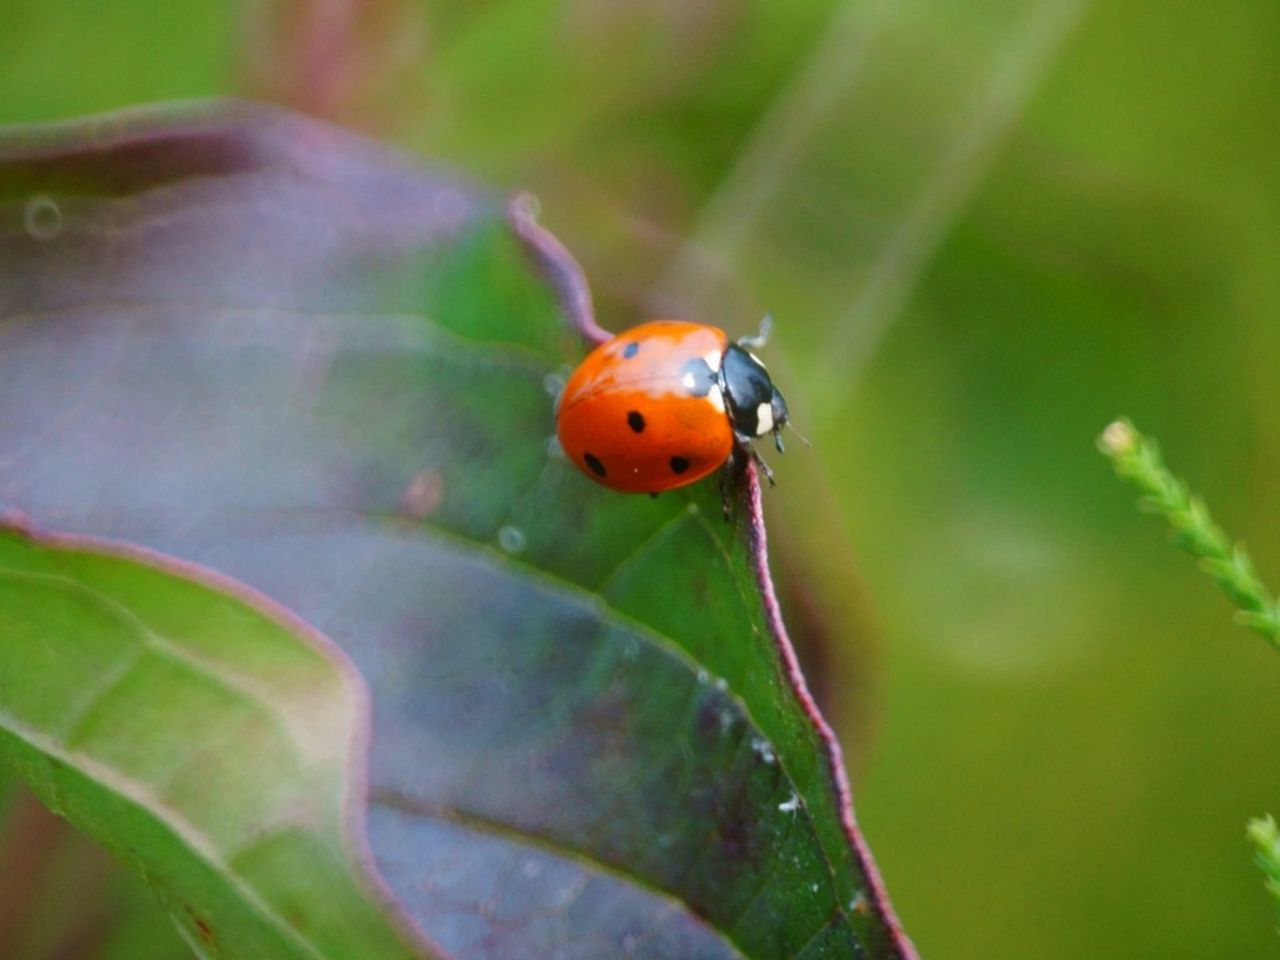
[140, 796]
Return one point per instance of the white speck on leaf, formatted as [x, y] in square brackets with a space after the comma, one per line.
[763, 750]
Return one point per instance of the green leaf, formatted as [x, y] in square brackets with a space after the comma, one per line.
[61, 896]
[288, 355]
[202, 740]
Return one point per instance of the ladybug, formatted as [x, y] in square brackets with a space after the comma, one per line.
[666, 403]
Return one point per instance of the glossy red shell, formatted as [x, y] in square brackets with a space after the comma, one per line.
[628, 418]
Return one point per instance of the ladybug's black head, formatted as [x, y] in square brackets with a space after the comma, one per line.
[754, 405]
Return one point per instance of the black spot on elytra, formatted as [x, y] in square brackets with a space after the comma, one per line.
[630, 350]
[594, 463]
[679, 464]
[635, 420]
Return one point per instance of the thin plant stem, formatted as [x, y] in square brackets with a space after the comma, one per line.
[1136, 458]
[1265, 836]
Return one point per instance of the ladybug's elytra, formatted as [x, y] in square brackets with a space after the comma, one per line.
[666, 403]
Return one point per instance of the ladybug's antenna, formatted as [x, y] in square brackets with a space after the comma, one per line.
[761, 337]
[791, 426]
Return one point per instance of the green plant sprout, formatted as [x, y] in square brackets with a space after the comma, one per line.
[1266, 851]
[1136, 458]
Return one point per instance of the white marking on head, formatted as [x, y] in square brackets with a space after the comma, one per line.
[716, 398]
[712, 360]
[764, 419]
[688, 381]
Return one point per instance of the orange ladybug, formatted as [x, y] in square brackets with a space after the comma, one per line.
[664, 404]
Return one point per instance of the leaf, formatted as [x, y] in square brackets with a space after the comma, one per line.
[199, 738]
[62, 896]
[279, 351]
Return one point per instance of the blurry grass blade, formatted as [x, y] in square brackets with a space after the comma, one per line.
[1014, 77]
[783, 134]
[863, 163]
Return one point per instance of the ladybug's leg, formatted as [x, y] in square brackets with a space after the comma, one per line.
[731, 479]
[744, 447]
[762, 337]
[764, 467]
[726, 490]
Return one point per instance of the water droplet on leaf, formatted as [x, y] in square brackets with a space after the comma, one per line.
[42, 218]
[512, 539]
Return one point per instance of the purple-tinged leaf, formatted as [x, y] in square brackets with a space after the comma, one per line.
[258, 343]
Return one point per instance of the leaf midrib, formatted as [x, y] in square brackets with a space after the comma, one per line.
[491, 827]
[576, 593]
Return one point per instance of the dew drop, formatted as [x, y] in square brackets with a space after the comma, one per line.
[763, 750]
[553, 383]
[528, 205]
[703, 676]
[722, 684]
[42, 218]
[512, 539]
[531, 869]
[566, 895]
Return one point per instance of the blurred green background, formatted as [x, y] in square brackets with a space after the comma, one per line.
[985, 228]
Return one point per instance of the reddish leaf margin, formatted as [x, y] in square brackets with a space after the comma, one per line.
[569, 280]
